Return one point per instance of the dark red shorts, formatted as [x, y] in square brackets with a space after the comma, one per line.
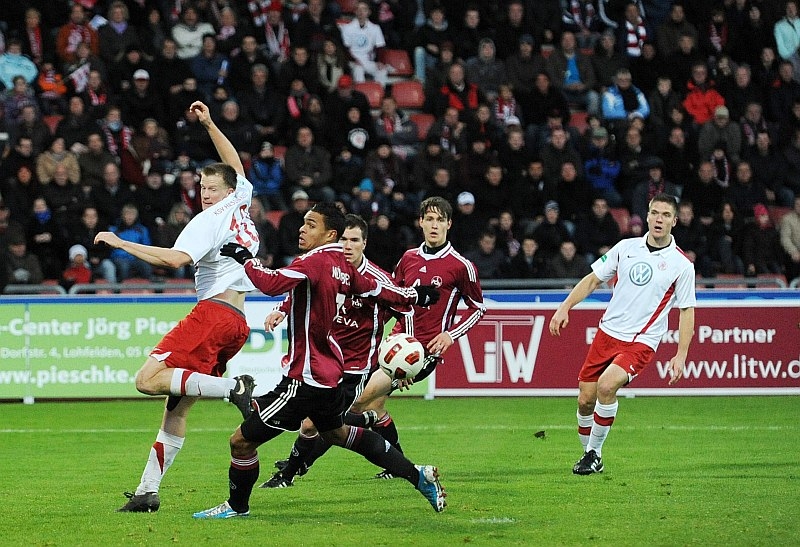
[605, 350]
[205, 340]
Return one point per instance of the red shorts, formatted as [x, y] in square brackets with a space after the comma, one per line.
[605, 350]
[205, 340]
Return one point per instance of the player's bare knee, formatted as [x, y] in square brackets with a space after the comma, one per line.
[606, 389]
[307, 428]
[241, 447]
[145, 385]
[586, 403]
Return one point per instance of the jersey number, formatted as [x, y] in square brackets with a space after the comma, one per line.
[242, 227]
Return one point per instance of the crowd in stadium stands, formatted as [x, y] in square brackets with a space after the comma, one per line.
[548, 124]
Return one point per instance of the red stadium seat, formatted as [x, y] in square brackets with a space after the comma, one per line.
[622, 217]
[347, 6]
[374, 92]
[399, 60]
[424, 122]
[275, 217]
[578, 121]
[776, 213]
[280, 152]
[409, 94]
[52, 122]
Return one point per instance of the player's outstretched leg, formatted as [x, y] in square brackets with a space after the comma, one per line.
[372, 446]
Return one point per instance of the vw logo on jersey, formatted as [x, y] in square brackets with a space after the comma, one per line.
[641, 273]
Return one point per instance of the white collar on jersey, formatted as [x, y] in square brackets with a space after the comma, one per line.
[439, 254]
[363, 267]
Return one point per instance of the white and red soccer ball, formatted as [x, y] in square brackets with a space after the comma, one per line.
[401, 356]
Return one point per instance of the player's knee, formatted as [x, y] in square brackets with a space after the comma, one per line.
[606, 390]
[144, 384]
[240, 447]
[586, 403]
[307, 428]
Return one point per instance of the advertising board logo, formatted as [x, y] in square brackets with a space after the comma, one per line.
[488, 352]
[641, 273]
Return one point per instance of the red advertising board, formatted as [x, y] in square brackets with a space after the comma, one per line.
[737, 348]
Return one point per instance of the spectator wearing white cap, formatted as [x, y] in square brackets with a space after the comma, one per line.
[141, 101]
[289, 227]
[466, 228]
[78, 270]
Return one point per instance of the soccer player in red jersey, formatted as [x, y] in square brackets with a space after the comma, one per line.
[358, 328]
[653, 275]
[436, 263]
[189, 361]
[318, 282]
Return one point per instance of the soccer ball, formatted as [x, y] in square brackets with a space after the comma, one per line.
[401, 356]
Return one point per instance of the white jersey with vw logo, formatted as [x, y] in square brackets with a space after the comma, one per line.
[648, 286]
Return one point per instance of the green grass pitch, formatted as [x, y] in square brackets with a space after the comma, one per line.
[679, 471]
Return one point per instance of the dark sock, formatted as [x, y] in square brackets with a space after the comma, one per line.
[302, 448]
[374, 448]
[386, 429]
[320, 447]
[243, 474]
[356, 419]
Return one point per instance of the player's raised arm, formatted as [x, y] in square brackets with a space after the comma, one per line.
[225, 148]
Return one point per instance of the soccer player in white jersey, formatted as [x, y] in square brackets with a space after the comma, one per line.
[189, 361]
[653, 276]
[363, 38]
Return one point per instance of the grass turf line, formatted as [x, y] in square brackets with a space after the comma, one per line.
[678, 471]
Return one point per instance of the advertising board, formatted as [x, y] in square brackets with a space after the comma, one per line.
[91, 347]
[738, 347]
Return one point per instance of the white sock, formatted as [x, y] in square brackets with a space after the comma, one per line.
[194, 384]
[162, 454]
[584, 428]
[603, 418]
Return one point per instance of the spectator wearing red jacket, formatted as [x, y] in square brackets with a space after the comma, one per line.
[702, 98]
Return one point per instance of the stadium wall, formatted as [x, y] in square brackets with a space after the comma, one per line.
[86, 347]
